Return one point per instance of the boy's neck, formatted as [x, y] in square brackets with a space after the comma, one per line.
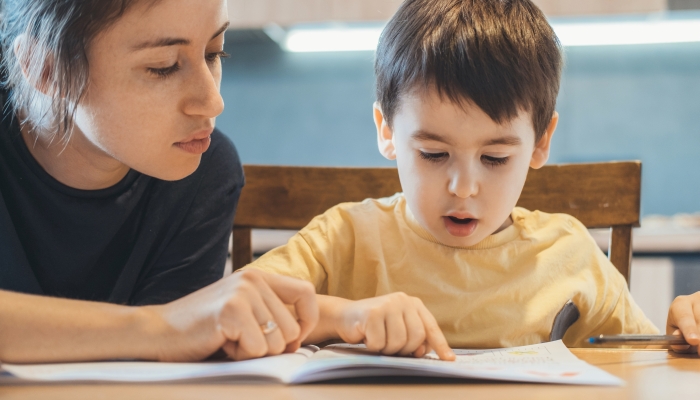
[506, 224]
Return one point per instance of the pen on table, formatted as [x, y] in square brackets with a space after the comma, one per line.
[643, 340]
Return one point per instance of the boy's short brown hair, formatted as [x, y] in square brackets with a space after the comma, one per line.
[501, 55]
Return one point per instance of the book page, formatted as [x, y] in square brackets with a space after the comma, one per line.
[544, 363]
[274, 369]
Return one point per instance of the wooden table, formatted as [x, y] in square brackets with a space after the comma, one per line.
[650, 374]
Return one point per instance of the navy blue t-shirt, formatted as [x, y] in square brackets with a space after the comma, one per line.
[142, 241]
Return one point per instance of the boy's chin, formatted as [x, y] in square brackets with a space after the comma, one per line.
[446, 238]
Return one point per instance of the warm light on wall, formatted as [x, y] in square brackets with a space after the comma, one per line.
[332, 39]
[654, 29]
[628, 32]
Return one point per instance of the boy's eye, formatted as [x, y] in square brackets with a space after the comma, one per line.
[164, 72]
[494, 161]
[212, 57]
[433, 157]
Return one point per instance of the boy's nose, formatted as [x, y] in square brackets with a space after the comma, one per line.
[463, 185]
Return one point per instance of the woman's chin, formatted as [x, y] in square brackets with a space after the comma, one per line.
[172, 171]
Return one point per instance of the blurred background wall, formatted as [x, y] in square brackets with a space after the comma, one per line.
[616, 103]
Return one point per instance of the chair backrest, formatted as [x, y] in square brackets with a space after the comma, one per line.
[600, 195]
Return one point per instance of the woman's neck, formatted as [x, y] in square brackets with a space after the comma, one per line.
[78, 164]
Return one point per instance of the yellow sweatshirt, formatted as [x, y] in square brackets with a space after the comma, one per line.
[502, 292]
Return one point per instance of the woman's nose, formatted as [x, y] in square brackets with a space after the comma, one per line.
[205, 96]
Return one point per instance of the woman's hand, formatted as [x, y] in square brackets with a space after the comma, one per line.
[231, 314]
[394, 324]
[684, 319]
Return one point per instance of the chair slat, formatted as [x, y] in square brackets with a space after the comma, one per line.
[599, 195]
[620, 250]
[290, 197]
[242, 248]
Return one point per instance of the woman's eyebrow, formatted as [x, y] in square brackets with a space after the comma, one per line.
[167, 42]
[162, 42]
[221, 30]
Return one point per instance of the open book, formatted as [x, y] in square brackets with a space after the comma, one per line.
[544, 363]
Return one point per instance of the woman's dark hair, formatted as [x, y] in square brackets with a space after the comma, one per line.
[44, 45]
[501, 55]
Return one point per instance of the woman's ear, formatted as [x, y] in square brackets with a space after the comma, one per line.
[385, 136]
[30, 58]
[541, 153]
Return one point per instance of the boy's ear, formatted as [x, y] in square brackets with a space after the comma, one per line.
[542, 148]
[385, 136]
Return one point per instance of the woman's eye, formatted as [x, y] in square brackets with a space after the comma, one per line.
[433, 157]
[164, 72]
[494, 161]
[212, 57]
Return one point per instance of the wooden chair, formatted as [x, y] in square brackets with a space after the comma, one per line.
[600, 195]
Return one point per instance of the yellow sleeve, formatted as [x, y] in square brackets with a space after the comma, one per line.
[603, 298]
[295, 259]
[611, 311]
[626, 318]
[317, 251]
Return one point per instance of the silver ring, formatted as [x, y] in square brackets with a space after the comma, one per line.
[268, 327]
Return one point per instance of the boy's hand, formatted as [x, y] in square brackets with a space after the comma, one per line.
[394, 324]
[684, 318]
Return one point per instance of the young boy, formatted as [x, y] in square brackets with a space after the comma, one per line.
[466, 97]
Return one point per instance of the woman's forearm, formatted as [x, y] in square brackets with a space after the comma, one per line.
[43, 329]
[223, 315]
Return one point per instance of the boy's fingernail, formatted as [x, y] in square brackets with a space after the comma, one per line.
[693, 336]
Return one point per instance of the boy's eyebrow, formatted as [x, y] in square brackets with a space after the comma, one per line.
[425, 136]
[507, 140]
[167, 42]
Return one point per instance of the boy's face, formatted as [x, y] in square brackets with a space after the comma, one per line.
[461, 172]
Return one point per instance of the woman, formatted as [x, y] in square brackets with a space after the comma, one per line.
[116, 188]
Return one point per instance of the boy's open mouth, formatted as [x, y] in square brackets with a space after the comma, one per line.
[464, 221]
[460, 227]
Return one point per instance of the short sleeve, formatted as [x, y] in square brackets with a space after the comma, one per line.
[295, 259]
[321, 250]
[196, 255]
[624, 318]
[606, 304]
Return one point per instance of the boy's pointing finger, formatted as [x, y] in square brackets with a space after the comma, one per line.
[434, 336]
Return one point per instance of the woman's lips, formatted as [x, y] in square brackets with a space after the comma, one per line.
[460, 227]
[195, 146]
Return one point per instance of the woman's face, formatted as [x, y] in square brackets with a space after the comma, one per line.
[153, 93]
